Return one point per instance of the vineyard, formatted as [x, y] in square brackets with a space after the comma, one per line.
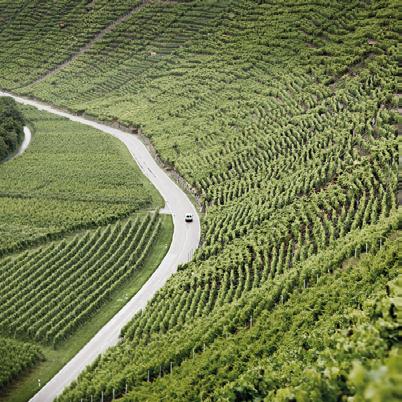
[60, 184]
[49, 292]
[299, 335]
[16, 357]
[51, 32]
[79, 236]
[282, 116]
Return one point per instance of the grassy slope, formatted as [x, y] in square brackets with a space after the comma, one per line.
[23, 389]
[71, 177]
[57, 187]
[304, 349]
[281, 115]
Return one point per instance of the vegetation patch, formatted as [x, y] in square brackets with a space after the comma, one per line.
[71, 178]
[11, 127]
[16, 357]
[281, 116]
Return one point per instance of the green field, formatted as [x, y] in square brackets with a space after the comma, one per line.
[48, 292]
[71, 177]
[80, 234]
[282, 116]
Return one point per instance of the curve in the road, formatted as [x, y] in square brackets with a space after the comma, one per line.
[185, 240]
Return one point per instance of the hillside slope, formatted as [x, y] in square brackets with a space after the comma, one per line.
[60, 184]
[79, 236]
[281, 115]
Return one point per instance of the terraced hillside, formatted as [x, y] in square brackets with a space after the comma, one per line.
[281, 115]
[80, 235]
[60, 184]
[50, 33]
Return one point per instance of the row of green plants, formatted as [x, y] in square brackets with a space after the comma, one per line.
[308, 227]
[48, 293]
[278, 327]
[16, 357]
[71, 177]
[319, 344]
[280, 115]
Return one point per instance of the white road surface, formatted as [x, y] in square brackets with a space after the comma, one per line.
[185, 240]
[26, 141]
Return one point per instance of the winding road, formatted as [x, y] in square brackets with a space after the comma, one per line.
[186, 238]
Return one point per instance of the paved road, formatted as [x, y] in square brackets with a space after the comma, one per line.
[26, 141]
[186, 238]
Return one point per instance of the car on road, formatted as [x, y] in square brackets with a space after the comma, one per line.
[188, 217]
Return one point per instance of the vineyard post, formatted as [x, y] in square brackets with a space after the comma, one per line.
[92, 398]
[193, 353]
[160, 371]
[366, 248]
[102, 396]
[126, 388]
[113, 395]
[251, 320]
[148, 376]
[171, 367]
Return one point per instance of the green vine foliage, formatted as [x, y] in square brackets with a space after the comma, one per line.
[280, 114]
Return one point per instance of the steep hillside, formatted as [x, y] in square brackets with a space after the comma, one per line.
[79, 236]
[61, 183]
[283, 342]
[281, 115]
[39, 35]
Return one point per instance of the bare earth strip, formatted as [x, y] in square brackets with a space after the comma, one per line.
[186, 238]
